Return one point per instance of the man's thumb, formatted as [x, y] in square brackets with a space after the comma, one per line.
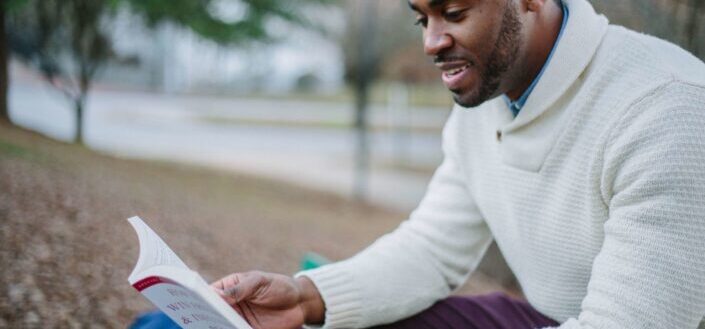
[246, 288]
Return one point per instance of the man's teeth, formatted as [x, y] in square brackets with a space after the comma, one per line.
[457, 70]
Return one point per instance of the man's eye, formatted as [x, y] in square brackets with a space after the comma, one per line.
[453, 15]
[421, 21]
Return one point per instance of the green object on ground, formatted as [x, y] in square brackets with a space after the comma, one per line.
[312, 260]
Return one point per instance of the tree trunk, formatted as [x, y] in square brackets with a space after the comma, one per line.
[84, 84]
[362, 150]
[692, 27]
[79, 107]
[4, 81]
[365, 68]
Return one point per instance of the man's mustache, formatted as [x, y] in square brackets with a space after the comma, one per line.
[442, 58]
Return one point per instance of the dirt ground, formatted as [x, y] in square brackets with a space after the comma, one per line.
[66, 249]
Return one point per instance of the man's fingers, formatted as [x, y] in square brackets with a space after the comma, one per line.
[250, 315]
[225, 284]
[238, 309]
[227, 281]
[247, 287]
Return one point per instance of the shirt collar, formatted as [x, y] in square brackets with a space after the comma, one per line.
[515, 106]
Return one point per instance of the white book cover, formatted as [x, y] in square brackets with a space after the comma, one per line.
[163, 278]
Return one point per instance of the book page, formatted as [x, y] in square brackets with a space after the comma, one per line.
[186, 304]
[153, 250]
[163, 278]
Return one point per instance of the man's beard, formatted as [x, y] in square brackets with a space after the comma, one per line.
[500, 60]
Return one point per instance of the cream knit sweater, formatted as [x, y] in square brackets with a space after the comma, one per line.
[595, 194]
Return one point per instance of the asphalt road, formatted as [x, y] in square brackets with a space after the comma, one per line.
[303, 142]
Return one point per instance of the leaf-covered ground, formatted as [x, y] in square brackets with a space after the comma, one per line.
[66, 249]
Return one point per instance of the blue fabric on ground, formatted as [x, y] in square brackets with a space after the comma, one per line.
[153, 320]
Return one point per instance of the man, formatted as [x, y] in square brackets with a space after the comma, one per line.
[577, 146]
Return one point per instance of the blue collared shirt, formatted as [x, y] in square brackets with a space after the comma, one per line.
[516, 106]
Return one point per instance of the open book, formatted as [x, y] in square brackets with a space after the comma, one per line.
[181, 293]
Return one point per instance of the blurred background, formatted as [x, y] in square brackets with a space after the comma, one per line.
[247, 132]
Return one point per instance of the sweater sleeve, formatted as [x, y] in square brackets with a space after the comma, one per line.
[422, 261]
[650, 272]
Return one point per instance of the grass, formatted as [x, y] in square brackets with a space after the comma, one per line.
[423, 95]
[319, 124]
[9, 149]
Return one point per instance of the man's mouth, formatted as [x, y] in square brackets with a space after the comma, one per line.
[454, 73]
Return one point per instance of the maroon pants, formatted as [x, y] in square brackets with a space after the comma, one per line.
[493, 311]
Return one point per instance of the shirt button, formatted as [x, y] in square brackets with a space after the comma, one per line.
[499, 135]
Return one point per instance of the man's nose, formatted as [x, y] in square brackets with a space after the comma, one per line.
[436, 39]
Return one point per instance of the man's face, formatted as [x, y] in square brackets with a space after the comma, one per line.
[474, 43]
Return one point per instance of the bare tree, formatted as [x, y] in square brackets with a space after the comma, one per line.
[89, 49]
[367, 43]
[679, 21]
[367, 61]
[693, 26]
[66, 41]
[4, 113]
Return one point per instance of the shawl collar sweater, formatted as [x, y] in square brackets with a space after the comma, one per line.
[594, 193]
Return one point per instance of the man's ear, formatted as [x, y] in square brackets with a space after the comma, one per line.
[534, 5]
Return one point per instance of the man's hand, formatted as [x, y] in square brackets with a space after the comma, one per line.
[268, 300]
